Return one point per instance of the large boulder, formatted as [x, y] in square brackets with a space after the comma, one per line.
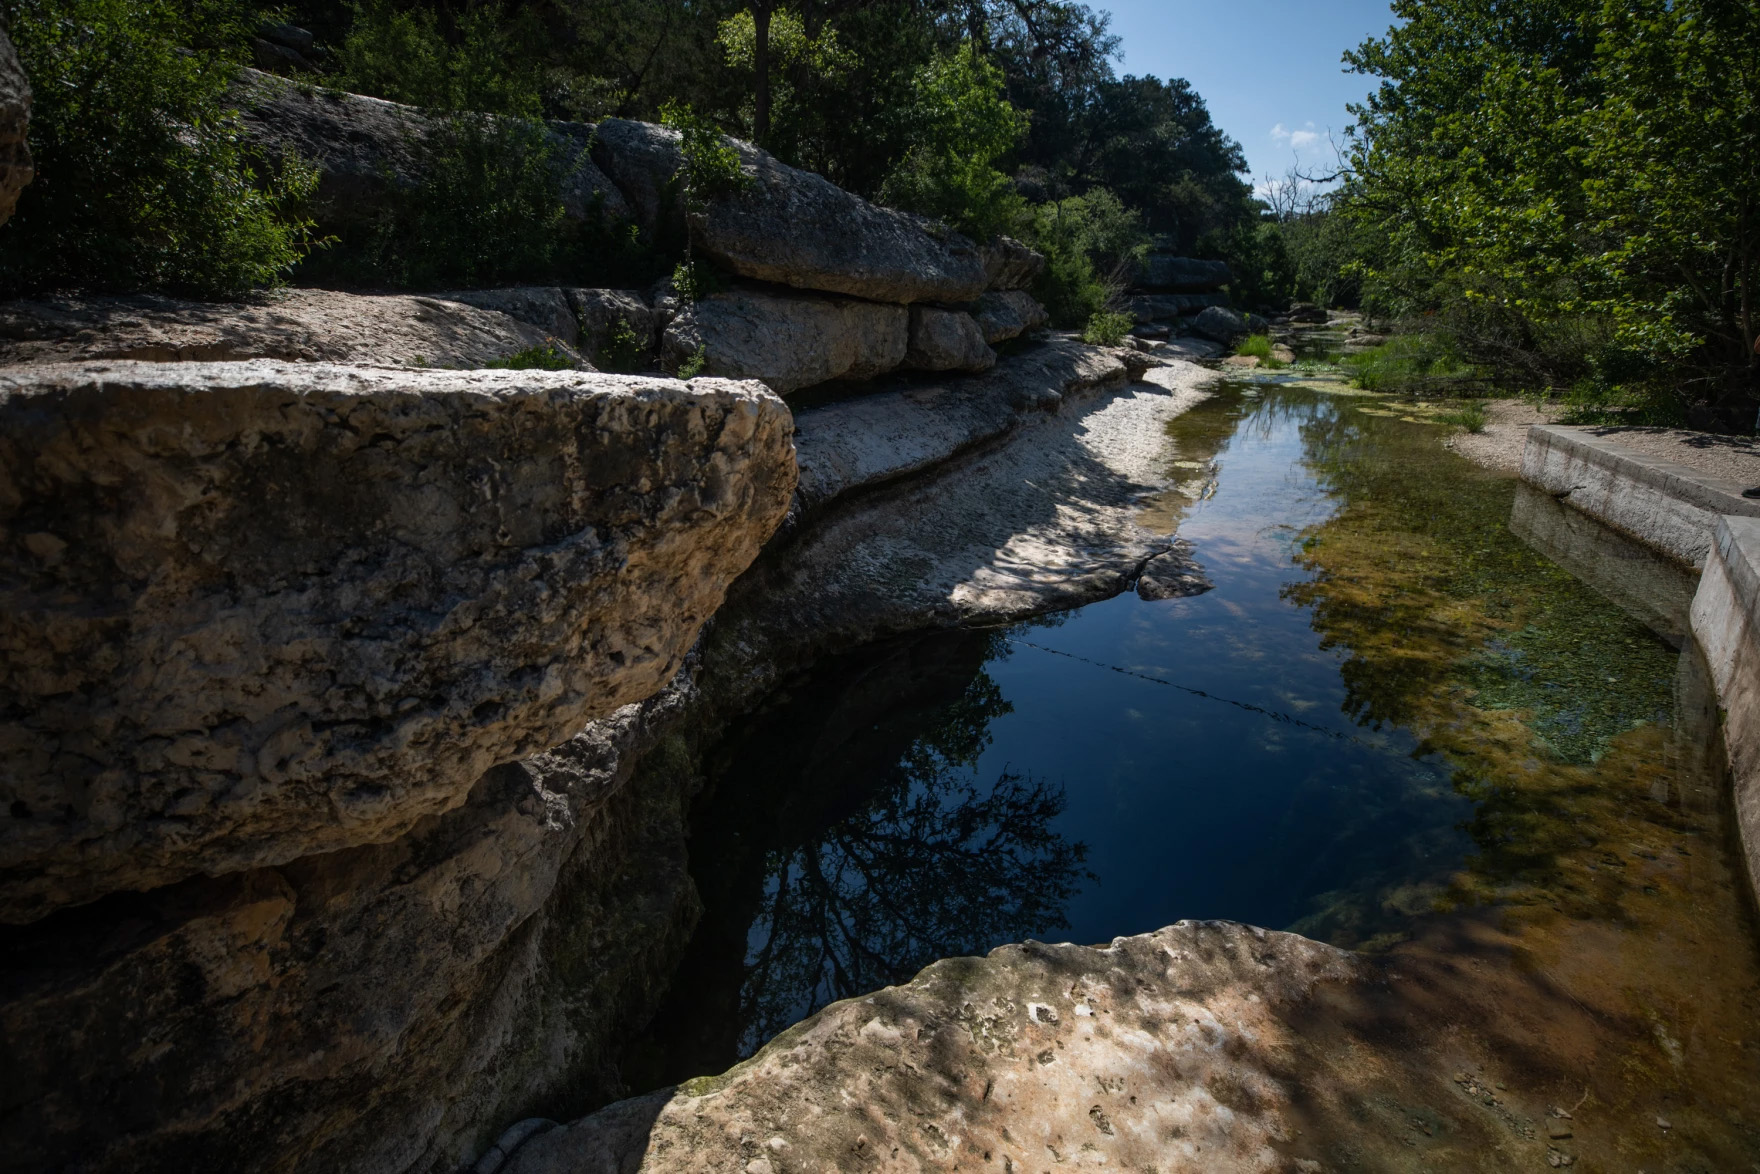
[1166, 307]
[251, 612]
[367, 150]
[1010, 265]
[300, 325]
[1220, 324]
[792, 227]
[788, 341]
[1161, 271]
[15, 118]
[1006, 314]
[947, 340]
[1171, 1051]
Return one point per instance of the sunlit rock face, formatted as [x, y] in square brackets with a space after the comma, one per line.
[258, 611]
[1158, 1052]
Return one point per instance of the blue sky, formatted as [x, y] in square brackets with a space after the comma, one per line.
[1268, 69]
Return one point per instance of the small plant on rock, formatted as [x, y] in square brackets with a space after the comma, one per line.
[1470, 416]
[693, 366]
[546, 356]
[621, 351]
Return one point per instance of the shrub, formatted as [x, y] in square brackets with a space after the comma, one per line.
[711, 163]
[1107, 329]
[1410, 363]
[959, 123]
[404, 55]
[488, 210]
[546, 356]
[693, 366]
[620, 350]
[143, 183]
[1090, 245]
[1470, 416]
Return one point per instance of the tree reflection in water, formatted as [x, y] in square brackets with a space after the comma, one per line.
[846, 843]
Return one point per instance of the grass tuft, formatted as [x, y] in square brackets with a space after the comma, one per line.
[1107, 328]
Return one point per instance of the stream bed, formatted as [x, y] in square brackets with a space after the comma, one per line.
[1425, 713]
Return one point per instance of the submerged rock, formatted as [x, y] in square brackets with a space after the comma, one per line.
[16, 169]
[788, 341]
[256, 611]
[297, 325]
[1174, 575]
[1168, 1051]
[947, 340]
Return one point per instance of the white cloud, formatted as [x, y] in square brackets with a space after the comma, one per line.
[1298, 140]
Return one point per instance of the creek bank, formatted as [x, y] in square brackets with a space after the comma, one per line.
[1662, 501]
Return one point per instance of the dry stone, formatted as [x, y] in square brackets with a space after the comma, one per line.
[543, 306]
[1006, 314]
[788, 341]
[15, 118]
[792, 227]
[1220, 324]
[251, 612]
[300, 325]
[947, 340]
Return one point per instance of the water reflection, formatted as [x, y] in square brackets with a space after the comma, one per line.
[848, 843]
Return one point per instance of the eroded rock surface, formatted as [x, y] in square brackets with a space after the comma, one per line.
[296, 325]
[257, 611]
[1174, 575]
[788, 341]
[947, 340]
[1168, 1052]
[1011, 265]
[1006, 314]
[1188, 275]
[16, 169]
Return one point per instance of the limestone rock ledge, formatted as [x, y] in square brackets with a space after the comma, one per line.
[251, 612]
[1164, 1052]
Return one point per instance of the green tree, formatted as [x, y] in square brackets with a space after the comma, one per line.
[143, 181]
[961, 126]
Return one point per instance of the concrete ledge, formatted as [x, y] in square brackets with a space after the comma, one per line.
[1662, 504]
[1726, 622]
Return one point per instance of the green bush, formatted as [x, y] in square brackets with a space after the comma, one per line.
[1090, 244]
[1416, 363]
[1107, 329]
[620, 350]
[488, 210]
[1470, 416]
[404, 55]
[959, 125]
[546, 356]
[143, 183]
[693, 366]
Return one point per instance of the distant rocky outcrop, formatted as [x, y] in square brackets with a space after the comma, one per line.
[16, 169]
[297, 325]
[1164, 272]
[258, 611]
[1220, 324]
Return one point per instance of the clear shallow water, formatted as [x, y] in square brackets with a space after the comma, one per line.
[1391, 711]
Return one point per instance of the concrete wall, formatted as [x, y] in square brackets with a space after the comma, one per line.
[1726, 622]
[1666, 506]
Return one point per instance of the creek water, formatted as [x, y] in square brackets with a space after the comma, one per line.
[1418, 698]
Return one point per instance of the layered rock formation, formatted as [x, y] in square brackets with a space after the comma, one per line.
[16, 169]
[456, 570]
[788, 341]
[295, 325]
